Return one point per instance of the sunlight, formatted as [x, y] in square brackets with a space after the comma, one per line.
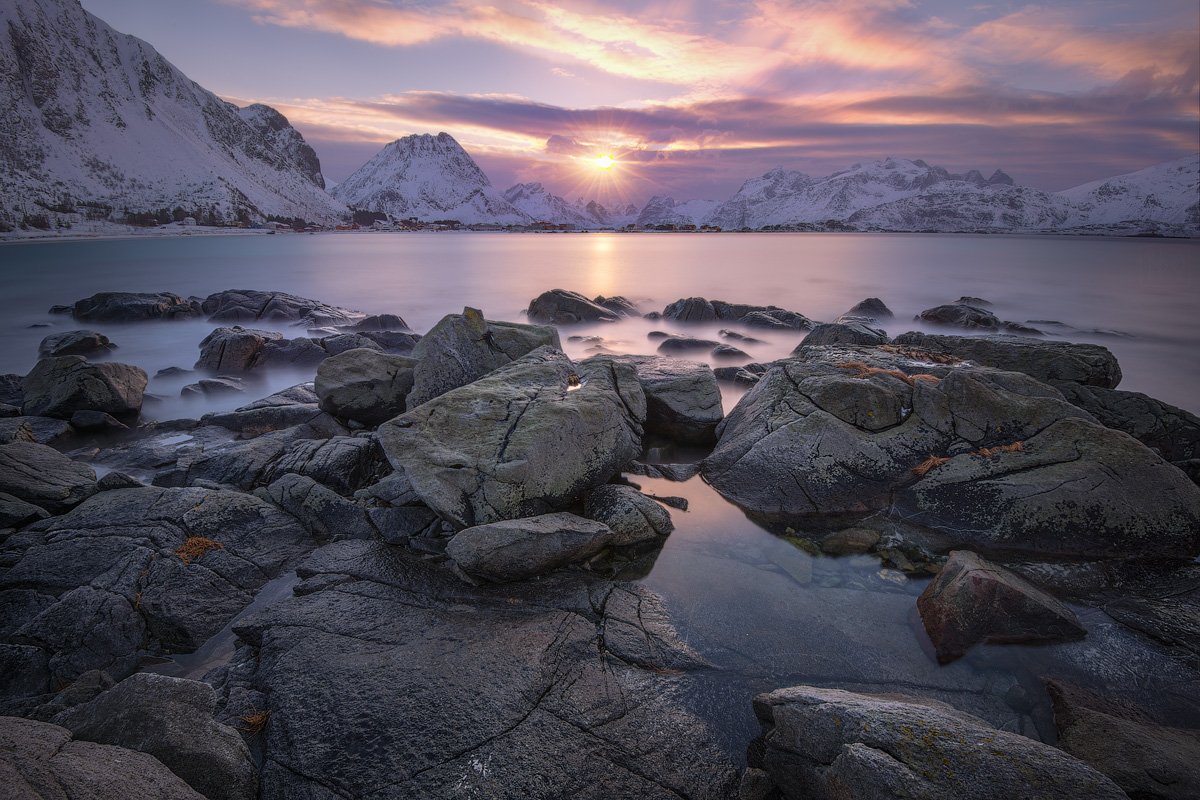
[605, 161]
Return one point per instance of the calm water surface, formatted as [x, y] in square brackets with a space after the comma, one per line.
[763, 612]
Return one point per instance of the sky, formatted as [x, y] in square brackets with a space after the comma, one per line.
[690, 98]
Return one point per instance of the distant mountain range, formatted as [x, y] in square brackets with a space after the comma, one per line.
[98, 125]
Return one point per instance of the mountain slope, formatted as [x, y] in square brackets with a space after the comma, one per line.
[662, 210]
[1167, 192]
[430, 178]
[92, 115]
[539, 205]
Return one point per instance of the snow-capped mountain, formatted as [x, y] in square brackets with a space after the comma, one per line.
[604, 217]
[97, 117]
[1167, 192]
[430, 178]
[539, 205]
[663, 210]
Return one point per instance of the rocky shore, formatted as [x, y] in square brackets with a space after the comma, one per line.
[459, 526]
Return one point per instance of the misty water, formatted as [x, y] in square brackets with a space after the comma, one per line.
[764, 612]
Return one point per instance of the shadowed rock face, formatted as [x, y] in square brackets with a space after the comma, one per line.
[245, 305]
[1172, 432]
[365, 385]
[58, 387]
[995, 461]
[386, 676]
[511, 550]
[1088, 364]
[527, 439]
[560, 307]
[828, 744]
[134, 307]
[44, 477]
[683, 400]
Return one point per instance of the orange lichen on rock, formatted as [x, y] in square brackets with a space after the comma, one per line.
[255, 721]
[194, 547]
[988, 452]
[866, 371]
[929, 463]
[920, 355]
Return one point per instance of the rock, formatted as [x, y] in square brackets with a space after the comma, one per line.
[670, 472]
[685, 344]
[115, 583]
[392, 341]
[324, 513]
[214, 387]
[512, 550]
[75, 343]
[1170, 431]
[365, 385]
[974, 301]
[972, 600]
[133, 307]
[745, 375]
[58, 387]
[739, 337]
[39, 760]
[560, 307]
[96, 421]
[299, 353]
[1050, 362]
[43, 476]
[464, 347]
[117, 480]
[244, 305]
[12, 391]
[992, 461]
[1145, 759]
[828, 744]
[844, 333]
[870, 310]
[850, 541]
[621, 306]
[523, 690]
[379, 322]
[43, 430]
[289, 408]
[960, 315]
[399, 524]
[172, 720]
[683, 400]
[777, 318]
[691, 309]
[15, 512]
[632, 517]
[235, 349]
[521, 441]
[726, 351]
[172, 372]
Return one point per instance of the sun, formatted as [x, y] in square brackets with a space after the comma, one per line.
[605, 161]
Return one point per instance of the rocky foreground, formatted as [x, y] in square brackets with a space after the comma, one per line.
[449, 520]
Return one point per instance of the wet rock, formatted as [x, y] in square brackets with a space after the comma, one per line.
[96, 421]
[398, 524]
[844, 333]
[622, 306]
[745, 375]
[289, 408]
[214, 387]
[243, 305]
[683, 400]
[521, 441]
[75, 343]
[670, 472]
[15, 512]
[324, 513]
[342, 463]
[464, 347]
[43, 476]
[133, 307]
[850, 541]
[972, 600]
[685, 344]
[870, 310]
[1051, 362]
[235, 349]
[633, 517]
[583, 693]
[961, 315]
[727, 351]
[58, 387]
[1170, 431]
[560, 307]
[994, 461]
[39, 760]
[1145, 759]
[365, 385]
[512, 550]
[823, 744]
[172, 720]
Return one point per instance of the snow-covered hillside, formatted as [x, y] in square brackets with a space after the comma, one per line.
[662, 210]
[539, 205]
[93, 116]
[1167, 192]
[430, 178]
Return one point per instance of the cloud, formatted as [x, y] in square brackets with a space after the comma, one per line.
[559, 72]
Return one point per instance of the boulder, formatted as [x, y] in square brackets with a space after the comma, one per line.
[58, 387]
[829, 744]
[464, 347]
[96, 421]
[39, 760]
[379, 322]
[365, 385]
[134, 307]
[844, 333]
[1170, 431]
[683, 400]
[75, 343]
[516, 549]
[560, 307]
[1050, 362]
[235, 349]
[1145, 759]
[870, 310]
[972, 600]
[686, 344]
[172, 720]
[776, 318]
[326, 514]
[43, 476]
[527, 439]
[621, 306]
[15, 512]
[691, 309]
[247, 305]
[992, 461]
[961, 315]
[214, 387]
[728, 351]
[632, 517]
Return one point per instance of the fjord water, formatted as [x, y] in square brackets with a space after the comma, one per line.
[765, 613]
